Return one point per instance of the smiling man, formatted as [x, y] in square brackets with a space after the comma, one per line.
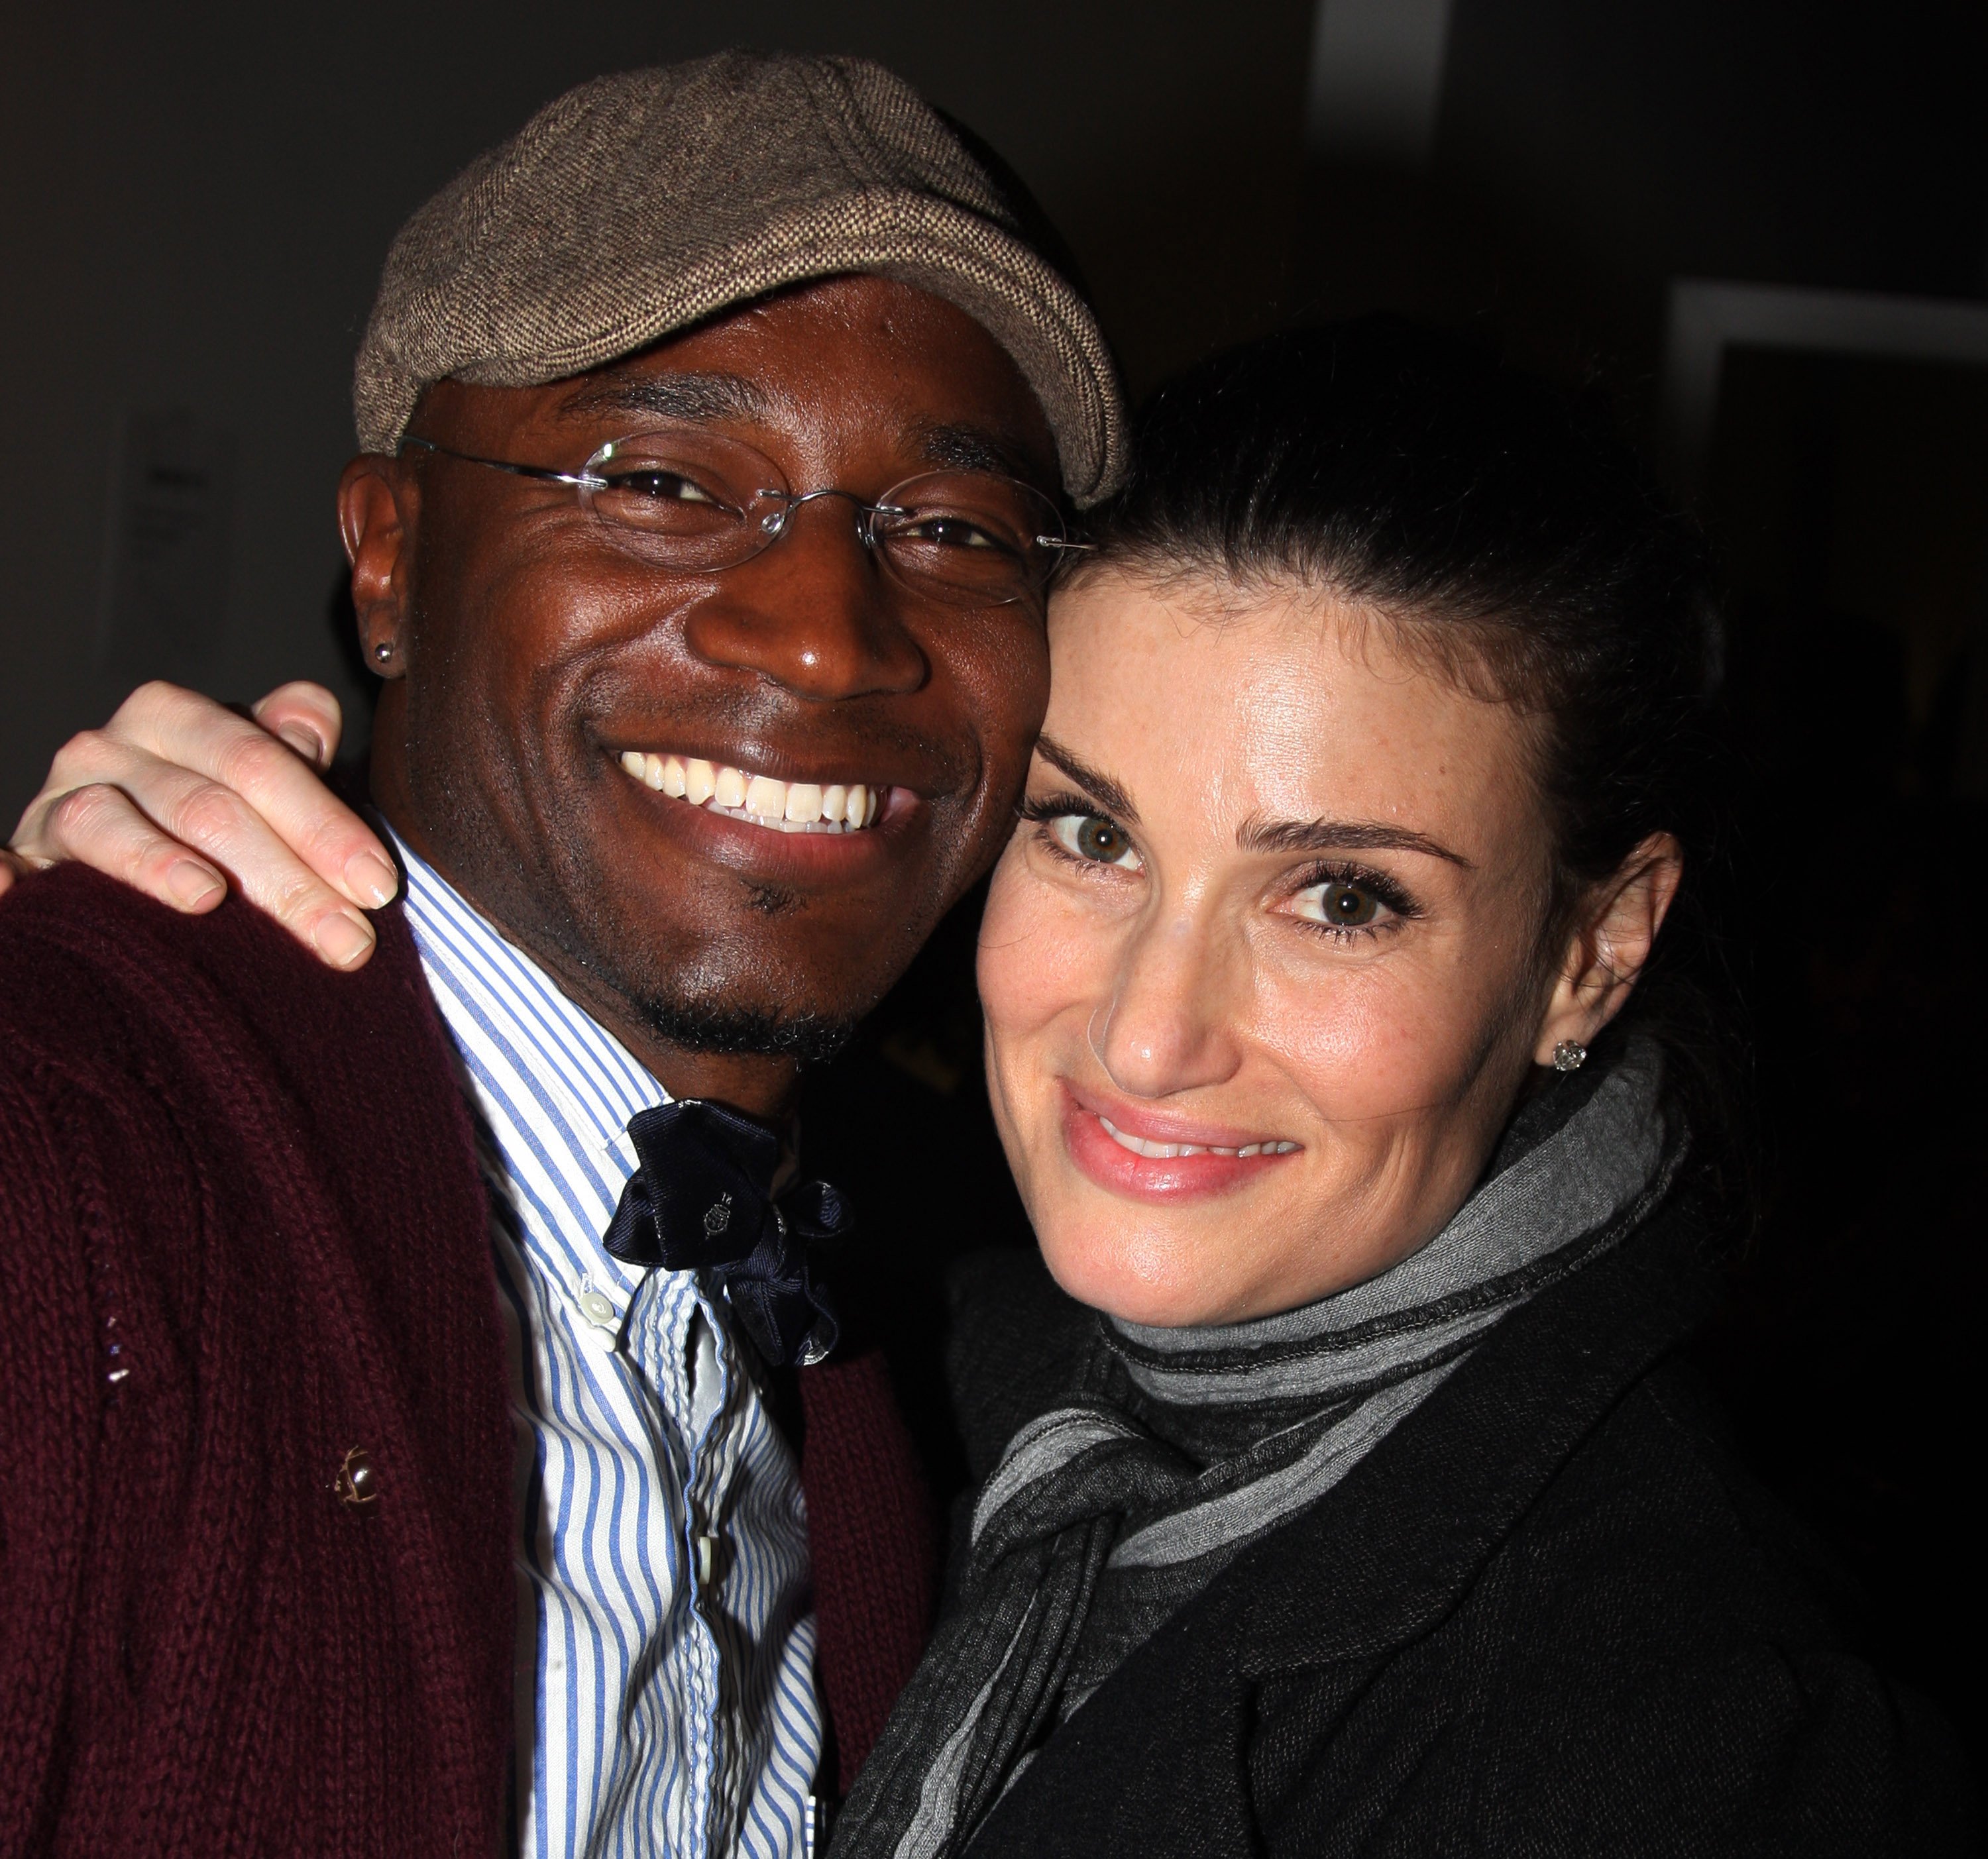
[419, 1440]
[621, 694]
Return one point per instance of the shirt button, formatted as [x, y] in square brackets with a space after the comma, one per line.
[708, 1547]
[598, 1310]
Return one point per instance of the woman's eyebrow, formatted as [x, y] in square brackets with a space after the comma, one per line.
[1341, 835]
[1094, 781]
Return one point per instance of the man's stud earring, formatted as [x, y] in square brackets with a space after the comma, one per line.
[1570, 1055]
[383, 651]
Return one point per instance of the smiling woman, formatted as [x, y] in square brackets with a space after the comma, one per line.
[1332, 955]
[1346, 1492]
[1309, 867]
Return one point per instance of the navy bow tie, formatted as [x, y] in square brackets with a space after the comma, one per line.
[703, 1200]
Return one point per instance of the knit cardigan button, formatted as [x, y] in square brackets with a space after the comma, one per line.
[356, 1482]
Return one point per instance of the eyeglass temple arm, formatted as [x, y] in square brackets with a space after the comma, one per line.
[579, 480]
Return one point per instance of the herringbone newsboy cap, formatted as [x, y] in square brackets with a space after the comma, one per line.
[638, 205]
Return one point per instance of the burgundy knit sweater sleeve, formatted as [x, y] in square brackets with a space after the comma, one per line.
[241, 1235]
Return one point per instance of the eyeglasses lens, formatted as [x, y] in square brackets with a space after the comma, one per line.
[699, 500]
[969, 532]
[695, 491]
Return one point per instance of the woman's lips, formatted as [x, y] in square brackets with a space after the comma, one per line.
[1215, 1163]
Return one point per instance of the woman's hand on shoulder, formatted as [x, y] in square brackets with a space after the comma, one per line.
[180, 796]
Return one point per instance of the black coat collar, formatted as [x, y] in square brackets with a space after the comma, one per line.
[1389, 1549]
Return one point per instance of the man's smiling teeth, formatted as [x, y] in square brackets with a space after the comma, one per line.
[1167, 1151]
[789, 806]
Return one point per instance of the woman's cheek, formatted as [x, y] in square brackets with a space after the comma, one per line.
[1045, 965]
[1016, 1002]
[1041, 951]
[1375, 1041]
[1010, 926]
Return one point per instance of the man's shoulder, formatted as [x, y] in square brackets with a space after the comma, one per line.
[205, 1081]
[104, 990]
[72, 940]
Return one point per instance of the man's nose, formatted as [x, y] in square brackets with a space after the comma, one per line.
[814, 613]
[1172, 1021]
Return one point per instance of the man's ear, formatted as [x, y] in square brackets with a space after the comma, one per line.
[376, 508]
[1609, 944]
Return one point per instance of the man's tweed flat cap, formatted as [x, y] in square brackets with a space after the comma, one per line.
[638, 205]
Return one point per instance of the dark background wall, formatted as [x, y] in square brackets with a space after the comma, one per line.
[193, 202]
[1583, 156]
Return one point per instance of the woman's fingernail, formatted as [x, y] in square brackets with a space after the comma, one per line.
[372, 877]
[192, 885]
[343, 938]
[307, 742]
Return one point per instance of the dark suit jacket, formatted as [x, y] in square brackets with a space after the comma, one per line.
[1550, 1614]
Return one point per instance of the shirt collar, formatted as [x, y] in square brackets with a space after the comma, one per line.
[598, 1084]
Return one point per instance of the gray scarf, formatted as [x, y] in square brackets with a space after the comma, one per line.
[1105, 1515]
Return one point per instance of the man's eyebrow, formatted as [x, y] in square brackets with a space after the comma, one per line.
[957, 448]
[667, 396]
[1094, 781]
[1341, 835]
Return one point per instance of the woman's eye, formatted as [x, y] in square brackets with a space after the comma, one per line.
[1095, 839]
[1340, 903]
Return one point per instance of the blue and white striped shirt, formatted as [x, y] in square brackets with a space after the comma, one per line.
[666, 1698]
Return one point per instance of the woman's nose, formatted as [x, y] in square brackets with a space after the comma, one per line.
[1172, 1021]
[814, 613]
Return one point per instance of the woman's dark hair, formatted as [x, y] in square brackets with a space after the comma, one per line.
[1501, 529]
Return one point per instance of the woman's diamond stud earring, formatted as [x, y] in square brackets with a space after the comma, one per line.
[1570, 1055]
